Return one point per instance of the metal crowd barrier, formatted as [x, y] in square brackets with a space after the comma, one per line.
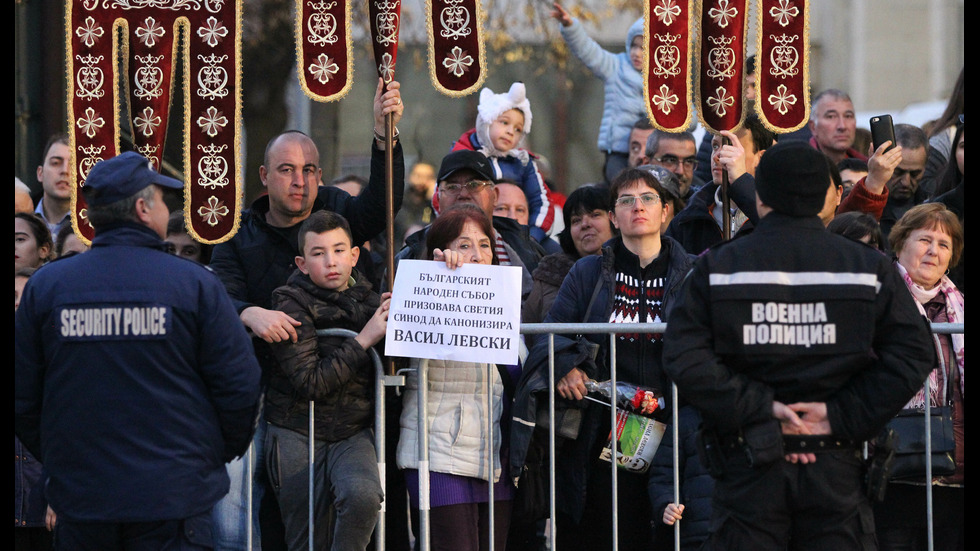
[612, 329]
[549, 329]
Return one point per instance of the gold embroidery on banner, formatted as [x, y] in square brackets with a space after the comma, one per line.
[456, 22]
[214, 81]
[322, 31]
[720, 100]
[667, 59]
[782, 99]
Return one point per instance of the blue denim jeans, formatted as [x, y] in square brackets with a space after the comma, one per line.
[229, 516]
[345, 478]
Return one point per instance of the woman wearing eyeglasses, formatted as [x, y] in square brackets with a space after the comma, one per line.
[466, 176]
[633, 280]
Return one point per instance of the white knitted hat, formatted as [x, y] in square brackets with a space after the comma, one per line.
[493, 105]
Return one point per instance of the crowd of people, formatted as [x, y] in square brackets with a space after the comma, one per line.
[142, 379]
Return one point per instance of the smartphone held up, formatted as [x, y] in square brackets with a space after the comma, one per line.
[882, 130]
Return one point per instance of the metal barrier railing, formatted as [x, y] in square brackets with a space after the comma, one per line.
[612, 329]
[549, 329]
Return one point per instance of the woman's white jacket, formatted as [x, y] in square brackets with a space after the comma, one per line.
[457, 415]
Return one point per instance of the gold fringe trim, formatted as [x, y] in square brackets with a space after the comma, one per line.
[697, 74]
[687, 72]
[806, 72]
[481, 46]
[299, 55]
[237, 145]
[120, 52]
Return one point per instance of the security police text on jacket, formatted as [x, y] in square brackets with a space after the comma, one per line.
[135, 381]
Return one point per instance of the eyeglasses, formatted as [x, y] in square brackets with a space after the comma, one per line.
[671, 162]
[647, 199]
[472, 187]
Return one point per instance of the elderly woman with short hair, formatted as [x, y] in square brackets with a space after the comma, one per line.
[928, 241]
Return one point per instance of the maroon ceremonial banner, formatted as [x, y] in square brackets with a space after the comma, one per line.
[143, 33]
[666, 81]
[783, 64]
[456, 52]
[323, 47]
[385, 22]
[720, 78]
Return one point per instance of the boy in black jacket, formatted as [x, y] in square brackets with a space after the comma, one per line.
[337, 374]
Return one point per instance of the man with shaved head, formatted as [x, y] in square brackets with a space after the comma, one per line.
[260, 257]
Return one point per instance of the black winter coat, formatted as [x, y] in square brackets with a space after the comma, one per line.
[874, 357]
[697, 230]
[334, 372]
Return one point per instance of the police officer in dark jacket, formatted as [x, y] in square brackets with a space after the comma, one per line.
[796, 345]
[135, 381]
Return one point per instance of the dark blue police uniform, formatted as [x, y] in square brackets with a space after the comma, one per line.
[135, 383]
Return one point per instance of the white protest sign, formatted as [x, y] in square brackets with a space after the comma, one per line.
[469, 314]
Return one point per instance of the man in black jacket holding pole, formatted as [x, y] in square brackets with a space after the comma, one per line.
[260, 257]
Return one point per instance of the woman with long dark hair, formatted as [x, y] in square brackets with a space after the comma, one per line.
[949, 191]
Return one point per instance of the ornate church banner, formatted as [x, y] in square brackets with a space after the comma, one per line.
[783, 64]
[720, 79]
[323, 47]
[666, 72]
[385, 24]
[457, 64]
[130, 47]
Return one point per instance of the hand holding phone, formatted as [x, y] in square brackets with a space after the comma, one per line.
[882, 130]
[881, 166]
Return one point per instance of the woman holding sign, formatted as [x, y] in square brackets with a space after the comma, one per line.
[457, 414]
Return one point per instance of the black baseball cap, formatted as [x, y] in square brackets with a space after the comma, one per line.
[123, 176]
[466, 159]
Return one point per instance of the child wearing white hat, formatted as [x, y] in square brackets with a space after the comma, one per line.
[502, 122]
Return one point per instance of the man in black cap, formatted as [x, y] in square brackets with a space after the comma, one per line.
[465, 176]
[135, 382]
[796, 346]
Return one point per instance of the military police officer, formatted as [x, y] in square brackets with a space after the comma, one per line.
[796, 345]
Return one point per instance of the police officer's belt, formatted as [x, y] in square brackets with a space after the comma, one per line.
[816, 444]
